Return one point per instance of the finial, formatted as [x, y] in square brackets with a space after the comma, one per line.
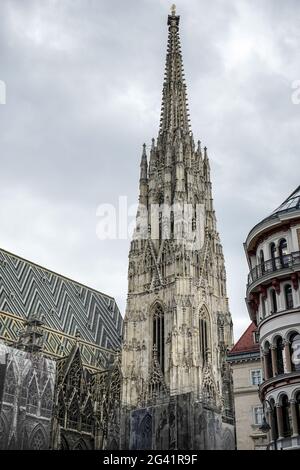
[199, 146]
[173, 9]
[153, 143]
[144, 149]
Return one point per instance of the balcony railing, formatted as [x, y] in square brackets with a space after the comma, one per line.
[274, 265]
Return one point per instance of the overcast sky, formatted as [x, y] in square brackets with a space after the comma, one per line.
[84, 81]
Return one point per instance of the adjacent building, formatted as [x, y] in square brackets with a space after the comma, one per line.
[247, 372]
[273, 299]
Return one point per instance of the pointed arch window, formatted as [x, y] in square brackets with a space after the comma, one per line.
[10, 384]
[172, 223]
[288, 294]
[46, 401]
[204, 336]
[38, 441]
[159, 335]
[74, 413]
[33, 396]
[88, 417]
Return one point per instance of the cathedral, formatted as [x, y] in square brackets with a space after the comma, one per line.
[176, 387]
[69, 380]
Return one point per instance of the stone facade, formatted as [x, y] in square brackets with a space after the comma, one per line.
[177, 325]
[26, 399]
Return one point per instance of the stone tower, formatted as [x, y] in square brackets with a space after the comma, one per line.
[177, 324]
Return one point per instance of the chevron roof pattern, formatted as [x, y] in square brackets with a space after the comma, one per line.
[63, 304]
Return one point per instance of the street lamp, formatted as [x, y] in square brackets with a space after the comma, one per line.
[265, 427]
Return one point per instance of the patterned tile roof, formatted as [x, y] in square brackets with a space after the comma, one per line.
[63, 304]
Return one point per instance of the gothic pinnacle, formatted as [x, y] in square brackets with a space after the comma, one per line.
[144, 164]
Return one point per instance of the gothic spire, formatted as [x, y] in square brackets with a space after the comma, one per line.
[174, 109]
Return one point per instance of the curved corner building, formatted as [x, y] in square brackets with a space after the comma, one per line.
[273, 300]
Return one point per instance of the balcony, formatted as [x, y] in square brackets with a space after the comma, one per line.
[274, 265]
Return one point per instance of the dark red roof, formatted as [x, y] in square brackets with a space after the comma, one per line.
[246, 343]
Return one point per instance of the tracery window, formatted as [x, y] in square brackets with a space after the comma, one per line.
[204, 336]
[46, 401]
[10, 384]
[33, 397]
[87, 417]
[74, 413]
[38, 441]
[159, 335]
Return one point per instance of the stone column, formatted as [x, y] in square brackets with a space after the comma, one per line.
[266, 368]
[294, 418]
[287, 355]
[274, 360]
[279, 421]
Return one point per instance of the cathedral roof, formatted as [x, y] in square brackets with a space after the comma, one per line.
[64, 305]
[246, 344]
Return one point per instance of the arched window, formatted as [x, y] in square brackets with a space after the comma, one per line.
[10, 384]
[298, 410]
[88, 417]
[263, 307]
[74, 413]
[273, 301]
[38, 441]
[172, 223]
[269, 367]
[145, 432]
[283, 252]
[279, 356]
[160, 226]
[288, 295]
[33, 397]
[273, 255]
[204, 336]
[262, 261]
[286, 416]
[274, 423]
[46, 401]
[159, 335]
